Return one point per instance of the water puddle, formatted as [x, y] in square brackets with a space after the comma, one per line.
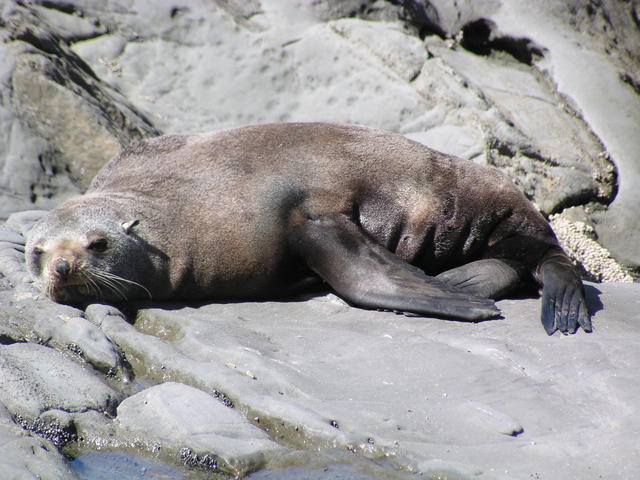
[123, 466]
[340, 471]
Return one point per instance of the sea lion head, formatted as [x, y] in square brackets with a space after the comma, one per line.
[84, 251]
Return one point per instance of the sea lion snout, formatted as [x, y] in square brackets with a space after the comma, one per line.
[58, 266]
[62, 268]
[63, 259]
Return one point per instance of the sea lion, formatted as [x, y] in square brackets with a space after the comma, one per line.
[254, 212]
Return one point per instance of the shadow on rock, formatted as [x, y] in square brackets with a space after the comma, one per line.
[593, 299]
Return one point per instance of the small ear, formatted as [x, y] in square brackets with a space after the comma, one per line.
[127, 226]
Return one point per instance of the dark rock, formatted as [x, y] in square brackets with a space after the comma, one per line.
[60, 122]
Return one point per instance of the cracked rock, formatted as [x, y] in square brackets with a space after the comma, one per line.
[25, 456]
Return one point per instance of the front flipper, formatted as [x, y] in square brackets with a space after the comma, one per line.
[369, 275]
[490, 278]
[563, 303]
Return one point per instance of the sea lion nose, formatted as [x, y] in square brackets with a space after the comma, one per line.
[63, 268]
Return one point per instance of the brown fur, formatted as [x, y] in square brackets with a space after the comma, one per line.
[216, 211]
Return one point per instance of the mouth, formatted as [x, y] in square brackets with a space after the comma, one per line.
[91, 286]
[68, 291]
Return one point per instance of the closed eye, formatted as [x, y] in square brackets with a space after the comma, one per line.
[36, 254]
[98, 245]
[36, 259]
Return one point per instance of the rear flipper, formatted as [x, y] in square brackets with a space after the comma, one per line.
[369, 275]
[563, 303]
[490, 278]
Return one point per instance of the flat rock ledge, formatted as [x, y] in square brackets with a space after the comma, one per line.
[226, 389]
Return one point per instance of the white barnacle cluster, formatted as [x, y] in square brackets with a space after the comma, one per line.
[577, 240]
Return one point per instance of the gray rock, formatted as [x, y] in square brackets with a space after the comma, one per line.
[36, 379]
[524, 117]
[332, 464]
[304, 65]
[94, 430]
[87, 340]
[12, 260]
[201, 429]
[43, 389]
[155, 356]
[21, 222]
[447, 18]
[11, 330]
[599, 86]
[37, 319]
[12, 244]
[24, 456]
[448, 395]
[122, 466]
[97, 313]
[71, 26]
[501, 82]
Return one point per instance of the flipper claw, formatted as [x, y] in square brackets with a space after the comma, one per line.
[564, 306]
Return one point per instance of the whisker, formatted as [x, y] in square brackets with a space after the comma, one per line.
[131, 282]
[110, 284]
[94, 282]
[113, 280]
[92, 285]
[116, 286]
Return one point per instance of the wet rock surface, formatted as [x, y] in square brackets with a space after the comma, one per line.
[200, 429]
[549, 95]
